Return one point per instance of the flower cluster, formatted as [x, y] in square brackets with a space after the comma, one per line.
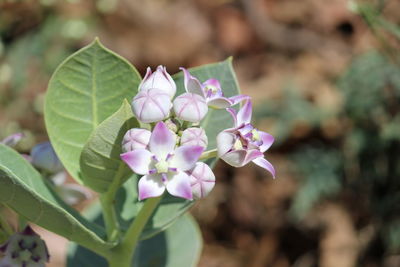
[169, 151]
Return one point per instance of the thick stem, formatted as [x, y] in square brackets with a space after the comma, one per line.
[122, 254]
[209, 154]
[110, 217]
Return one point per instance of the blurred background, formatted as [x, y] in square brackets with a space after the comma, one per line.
[325, 79]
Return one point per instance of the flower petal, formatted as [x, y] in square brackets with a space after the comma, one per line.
[179, 186]
[150, 186]
[185, 157]
[162, 140]
[240, 157]
[213, 83]
[138, 160]
[192, 85]
[225, 142]
[234, 115]
[238, 98]
[244, 114]
[263, 163]
[219, 103]
[267, 141]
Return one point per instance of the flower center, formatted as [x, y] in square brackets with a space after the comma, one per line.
[255, 135]
[25, 255]
[162, 166]
[238, 144]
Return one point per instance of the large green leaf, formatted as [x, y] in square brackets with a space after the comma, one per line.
[23, 189]
[179, 245]
[100, 161]
[86, 88]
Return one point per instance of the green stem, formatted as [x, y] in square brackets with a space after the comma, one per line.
[110, 217]
[209, 154]
[122, 254]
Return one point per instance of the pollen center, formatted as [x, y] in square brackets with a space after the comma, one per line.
[162, 166]
[238, 144]
[256, 135]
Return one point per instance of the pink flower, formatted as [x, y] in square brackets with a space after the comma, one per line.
[160, 79]
[163, 164]
[210, 91]
[151, 105]
[239, 145]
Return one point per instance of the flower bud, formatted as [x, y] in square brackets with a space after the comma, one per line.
[160, 79]
[12, 140]
[151, 105]
[135, 138]
[44, 157]
[194, 137]
[25, 249]
[202, 180]
[190, 107]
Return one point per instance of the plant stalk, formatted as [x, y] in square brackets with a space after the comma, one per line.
[122, 254]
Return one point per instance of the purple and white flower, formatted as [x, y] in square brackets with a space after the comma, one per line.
[160, 79]
[151, 105]
[239, 145]
[24, 249]
[194, 137]
[163, 165]
[135, 138]
[210, 91]
[202, 180]
[190, 107]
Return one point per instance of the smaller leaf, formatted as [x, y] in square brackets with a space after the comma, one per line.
[23, 189]
[100, 160]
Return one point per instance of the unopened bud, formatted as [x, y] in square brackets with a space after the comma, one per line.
[194, 137]
[151, 105]
[190, 107]
[44, 157]
[135, 138]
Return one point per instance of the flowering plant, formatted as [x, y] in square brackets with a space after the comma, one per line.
[147, 147]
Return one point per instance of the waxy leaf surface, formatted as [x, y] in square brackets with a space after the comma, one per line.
[86, 88]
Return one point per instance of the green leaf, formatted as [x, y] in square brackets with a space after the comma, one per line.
[215, 120]
[179, 245]
[100, 161]
[23, 189]
[86, 88]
